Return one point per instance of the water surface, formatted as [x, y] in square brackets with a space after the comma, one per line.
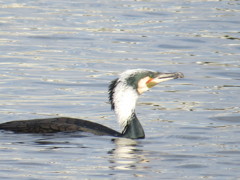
[57, 58]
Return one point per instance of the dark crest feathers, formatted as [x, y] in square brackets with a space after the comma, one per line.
[111, 91]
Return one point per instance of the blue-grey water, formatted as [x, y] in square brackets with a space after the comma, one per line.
[57, 58]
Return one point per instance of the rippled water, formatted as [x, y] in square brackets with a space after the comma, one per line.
[57, 58]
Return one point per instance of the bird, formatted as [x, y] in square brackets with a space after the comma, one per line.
[123, 92]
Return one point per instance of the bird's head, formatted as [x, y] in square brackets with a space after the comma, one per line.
[142, 80]
[125, 90]
[134, 82]
[139, 80]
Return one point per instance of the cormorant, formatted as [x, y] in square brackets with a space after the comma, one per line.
[123, 94]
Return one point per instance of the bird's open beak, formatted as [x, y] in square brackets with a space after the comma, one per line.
[161, 77]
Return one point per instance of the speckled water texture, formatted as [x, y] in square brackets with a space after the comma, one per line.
[57, 58]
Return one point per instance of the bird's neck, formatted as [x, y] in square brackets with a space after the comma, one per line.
[133, 129]
[125, 99]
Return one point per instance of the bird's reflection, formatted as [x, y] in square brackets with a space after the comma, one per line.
[127, 155]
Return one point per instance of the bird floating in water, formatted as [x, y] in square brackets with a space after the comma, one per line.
[123, 94]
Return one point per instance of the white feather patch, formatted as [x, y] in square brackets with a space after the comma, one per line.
[125, 98]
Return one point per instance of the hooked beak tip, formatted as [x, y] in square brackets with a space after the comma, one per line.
[179, 75]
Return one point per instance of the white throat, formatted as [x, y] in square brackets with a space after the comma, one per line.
[125, 98]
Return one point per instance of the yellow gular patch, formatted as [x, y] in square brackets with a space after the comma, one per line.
[150, 83]
[142, 85]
